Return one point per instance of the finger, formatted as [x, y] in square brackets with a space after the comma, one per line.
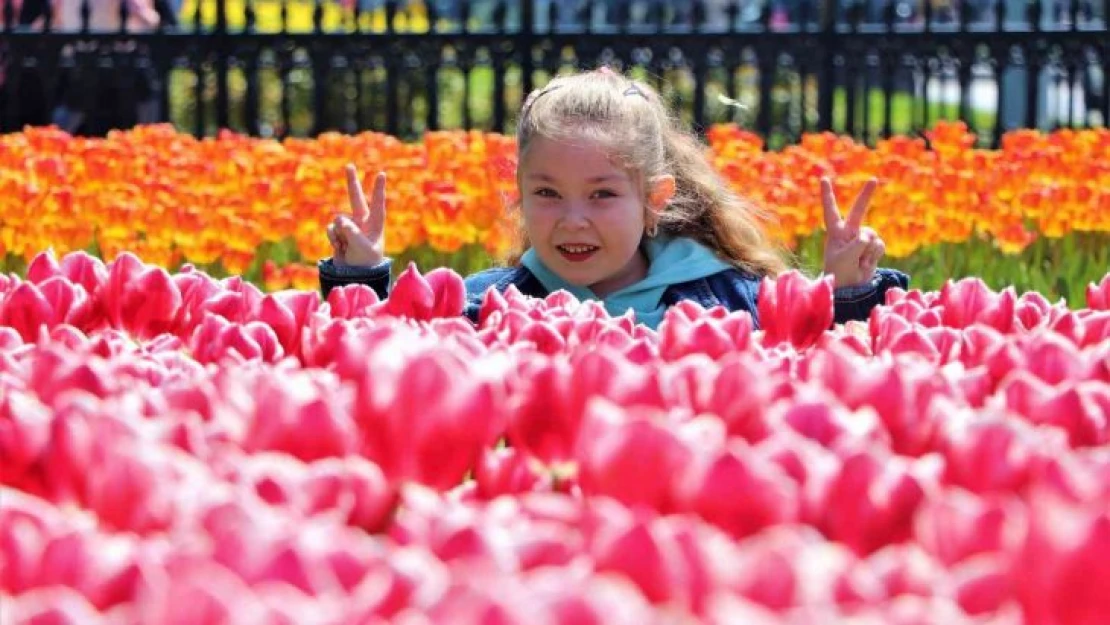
[832, 212]
[859, 209]
[375, 224]
[869, 253]
[355, 195]
[337, 228]
[876, 255]
[855, 248]
[333, 238]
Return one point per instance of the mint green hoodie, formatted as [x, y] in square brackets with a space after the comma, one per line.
[671, 261]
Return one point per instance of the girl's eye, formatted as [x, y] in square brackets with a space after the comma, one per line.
[604, 194]
[545, 192]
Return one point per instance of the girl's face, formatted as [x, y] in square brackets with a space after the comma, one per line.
[585, 216]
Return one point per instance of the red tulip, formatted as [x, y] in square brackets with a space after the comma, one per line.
[794, 309]
[24, 434]
[546, 338]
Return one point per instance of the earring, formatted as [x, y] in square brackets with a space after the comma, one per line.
[652, 230]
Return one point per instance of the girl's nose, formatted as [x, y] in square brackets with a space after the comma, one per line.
[574, 217]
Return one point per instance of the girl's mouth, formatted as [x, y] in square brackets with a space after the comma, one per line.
[577, 253]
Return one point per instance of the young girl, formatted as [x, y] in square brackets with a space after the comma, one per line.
[620, 204]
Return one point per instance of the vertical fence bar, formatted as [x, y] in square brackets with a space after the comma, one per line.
[527, 41]
[826, 83]
[223, 51]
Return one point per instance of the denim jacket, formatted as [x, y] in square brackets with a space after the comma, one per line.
[734, 289]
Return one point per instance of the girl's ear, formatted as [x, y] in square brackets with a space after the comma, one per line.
[660, 192]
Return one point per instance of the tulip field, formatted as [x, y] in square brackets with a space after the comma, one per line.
[191, 435]
[1034, 214]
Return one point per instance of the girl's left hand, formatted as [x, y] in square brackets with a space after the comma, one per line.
[852, 252]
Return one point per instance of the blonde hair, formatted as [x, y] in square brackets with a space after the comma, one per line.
[631, 120]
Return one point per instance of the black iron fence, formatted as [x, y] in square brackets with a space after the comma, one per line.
[866, 68]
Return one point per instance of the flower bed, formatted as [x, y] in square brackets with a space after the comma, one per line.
[184, 449]
[1034, 214]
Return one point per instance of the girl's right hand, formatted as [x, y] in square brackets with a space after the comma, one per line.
[358, 239]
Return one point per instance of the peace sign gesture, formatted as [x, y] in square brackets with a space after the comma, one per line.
[358, 238]
[852, 251]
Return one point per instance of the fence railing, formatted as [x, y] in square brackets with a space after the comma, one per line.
[781, 67]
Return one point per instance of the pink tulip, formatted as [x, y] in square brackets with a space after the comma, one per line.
[1054, 359]
[1098, 295]
[1095, 329]
[25, 309]
[234, 299]
[299, 418]
[85, 270]
[449, 290]
[54, 605]
[427, 423]
[646, 559]
[353, 486]
[42, 267]
[870, 502]
[546, 414]
[970, 301]
[197, 592]
[992, 454]
[954, 525]
[24, 435]
[633, 458]
[794, 309]
[509, 471]
[411, 296]
[287, 312]
[983, 585]
[351, 301]
[1061, 571]
[1032, 310]
[737, 492]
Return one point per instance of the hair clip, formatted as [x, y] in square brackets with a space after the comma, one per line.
[634, 89]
